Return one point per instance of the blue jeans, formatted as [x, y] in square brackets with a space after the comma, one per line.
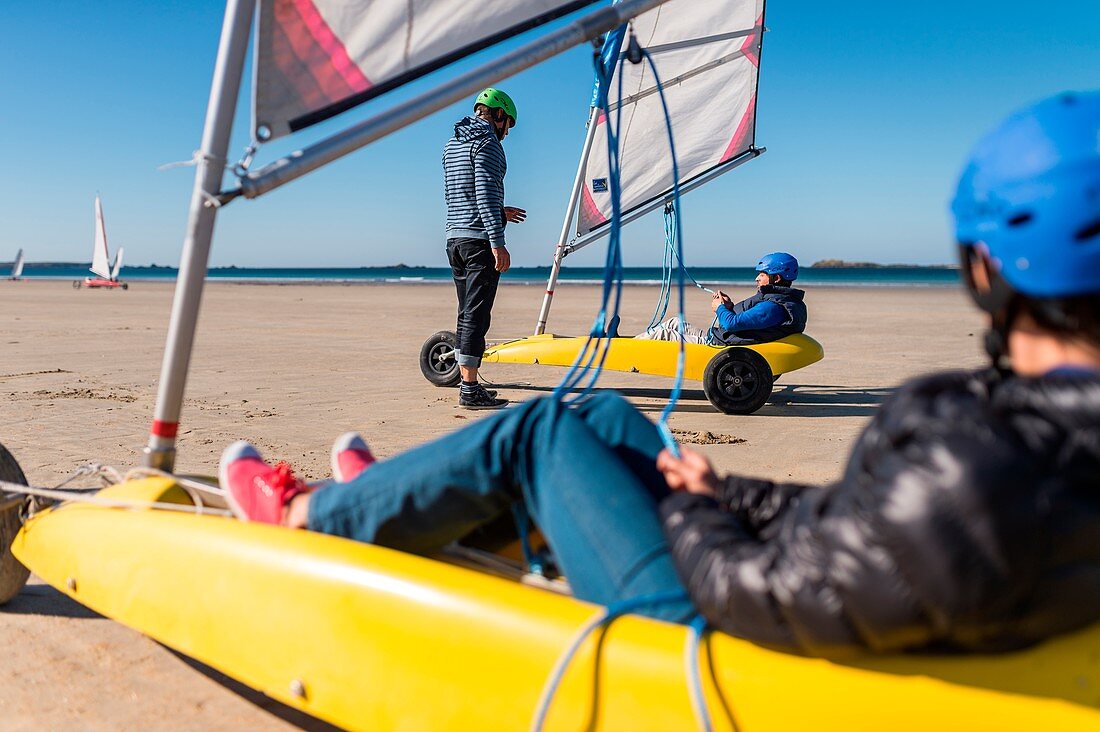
[588, 477]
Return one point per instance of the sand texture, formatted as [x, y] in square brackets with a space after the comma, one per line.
[289, 367]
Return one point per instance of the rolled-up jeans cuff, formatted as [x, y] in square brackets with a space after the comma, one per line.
[469, 361]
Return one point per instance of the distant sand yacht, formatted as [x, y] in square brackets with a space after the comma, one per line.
[101, 261]
[17, 267]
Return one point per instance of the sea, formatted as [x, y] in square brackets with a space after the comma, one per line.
[882, 276]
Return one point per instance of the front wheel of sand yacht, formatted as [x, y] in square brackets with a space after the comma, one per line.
[737, 381]
[13, 575]
[439, 359]
[77, 284]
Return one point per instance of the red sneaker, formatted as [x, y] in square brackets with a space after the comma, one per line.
[255, 490]
[350, 457]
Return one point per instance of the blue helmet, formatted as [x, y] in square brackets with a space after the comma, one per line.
[779, 263]
[1031, 195]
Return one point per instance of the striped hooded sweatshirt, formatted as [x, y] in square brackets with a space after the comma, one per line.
[473, 176]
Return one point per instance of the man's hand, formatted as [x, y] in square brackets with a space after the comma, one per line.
[514, 215]
[690, 472]
[719, 299]
[503, 259]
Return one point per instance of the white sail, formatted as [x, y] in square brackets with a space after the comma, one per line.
[17, 265]
[707, 55]
[317, 58]
[100, 258]
[117, 266]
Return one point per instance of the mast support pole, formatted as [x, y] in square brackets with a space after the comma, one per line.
[570, 211]
[210, 161]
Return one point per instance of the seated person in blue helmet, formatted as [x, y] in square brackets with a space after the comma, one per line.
[776, 311]
[968, 517]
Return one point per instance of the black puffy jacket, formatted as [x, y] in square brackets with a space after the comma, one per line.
[968, 518]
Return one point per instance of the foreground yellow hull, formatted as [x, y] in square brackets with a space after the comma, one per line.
[651, 357]
[369, 638]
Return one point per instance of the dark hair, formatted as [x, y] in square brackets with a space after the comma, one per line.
[780, 282]
[1077, 317]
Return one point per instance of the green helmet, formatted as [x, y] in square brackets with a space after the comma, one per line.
[496, 99]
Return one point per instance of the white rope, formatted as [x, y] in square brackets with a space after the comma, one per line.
[98, 500]
[196, 157]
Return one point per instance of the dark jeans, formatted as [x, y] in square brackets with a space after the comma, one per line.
[474, 270]
[587, 475]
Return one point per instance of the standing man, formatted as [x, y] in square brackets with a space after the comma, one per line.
[473, 172]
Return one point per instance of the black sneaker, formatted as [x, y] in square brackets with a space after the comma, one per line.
[478, 397]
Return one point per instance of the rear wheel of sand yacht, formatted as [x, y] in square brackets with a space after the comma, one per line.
[76, 284]
[125, 286]
[737, 381]
[13, 575]
[439, 360]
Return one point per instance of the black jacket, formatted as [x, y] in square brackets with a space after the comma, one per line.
[968, 518]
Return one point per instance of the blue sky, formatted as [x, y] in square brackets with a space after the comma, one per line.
[867, 109]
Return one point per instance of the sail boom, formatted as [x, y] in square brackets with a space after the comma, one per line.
[658, 201]
[295, 165]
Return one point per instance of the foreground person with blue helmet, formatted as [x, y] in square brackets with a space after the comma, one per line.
[967, 518]
[776, 311]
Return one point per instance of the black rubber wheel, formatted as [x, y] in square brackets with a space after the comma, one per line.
[76, 284]
[737, 381]
[438, 367]
[13, 575]
[125, 287]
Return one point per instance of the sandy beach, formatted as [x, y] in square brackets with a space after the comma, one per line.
[289, 367]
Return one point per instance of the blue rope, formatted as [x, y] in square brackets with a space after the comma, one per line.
[698, 627]
[666, 273]
[536, 563]
[662, 422]
[661, 309]
[613, 267]
[605, 616]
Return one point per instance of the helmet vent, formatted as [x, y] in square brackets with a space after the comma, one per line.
[1021, 218]
[1089, 232]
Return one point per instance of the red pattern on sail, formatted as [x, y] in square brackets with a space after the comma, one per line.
[302, 41]
[744, 133]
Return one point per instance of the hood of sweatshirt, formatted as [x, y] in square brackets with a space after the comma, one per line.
[469, 129]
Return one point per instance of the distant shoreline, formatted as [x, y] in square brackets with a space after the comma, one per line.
[820, 264]
[843, 264]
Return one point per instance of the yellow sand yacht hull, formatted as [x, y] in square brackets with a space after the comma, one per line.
[368, 638]
[652, 357]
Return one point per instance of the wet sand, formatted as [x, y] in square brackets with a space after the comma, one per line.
[289, 367]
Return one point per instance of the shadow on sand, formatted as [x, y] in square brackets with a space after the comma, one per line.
[787, 400]
[41, 599]
[286, 713]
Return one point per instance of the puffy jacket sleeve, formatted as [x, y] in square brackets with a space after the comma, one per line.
[924, 539]
[757, 502]
[762, 315]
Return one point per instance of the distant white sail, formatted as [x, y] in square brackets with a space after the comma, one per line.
[707, 55]
[317, 58]
[117, 266]
[100, 258]
[17, 265]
